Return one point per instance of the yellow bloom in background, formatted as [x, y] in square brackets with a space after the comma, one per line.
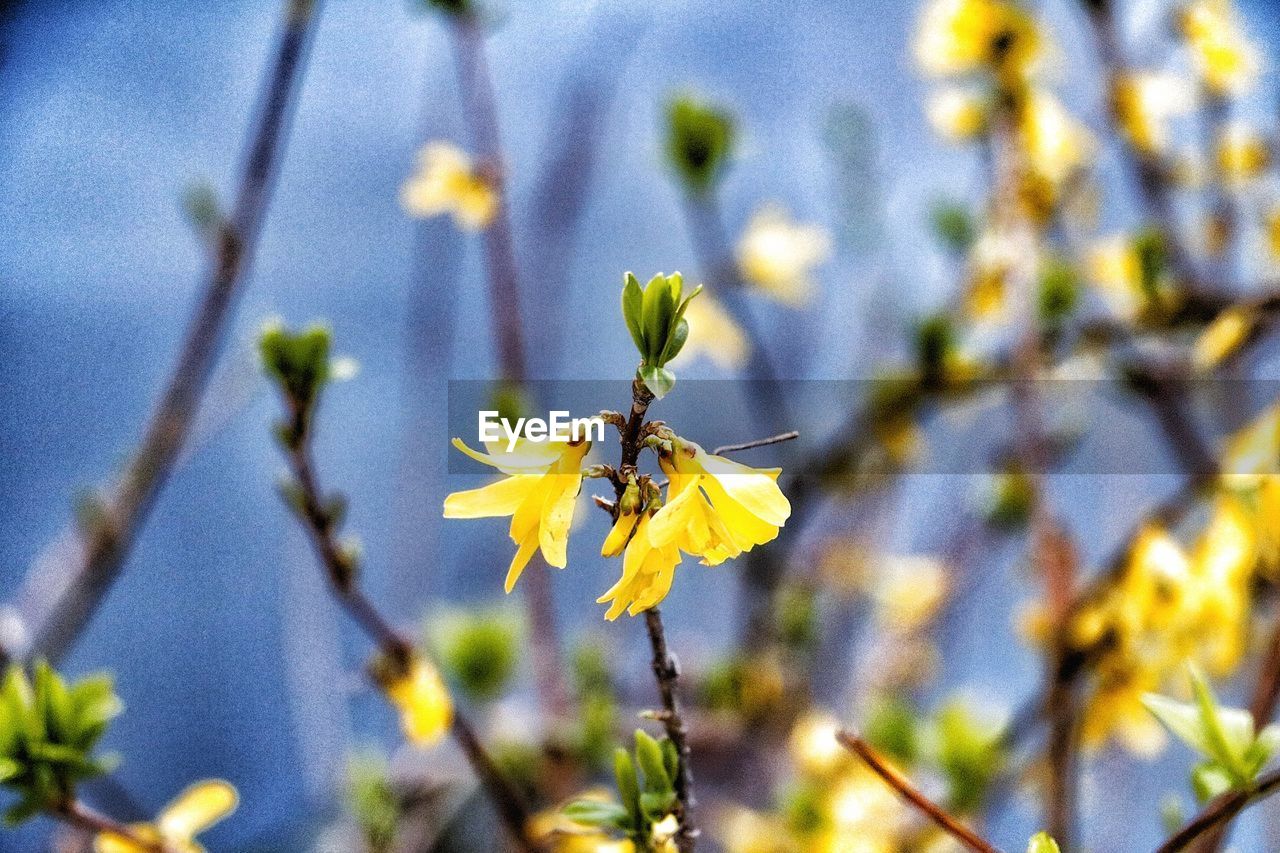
[1115, 268]
[813, 745]
[718, 508]
[1054, 145]
[420, 695]
[191, 813]
[959, 37]
[957, 115]
[1226, 60]
[908, 591]
[1271, 232]
[1254, 450]
[991, 261]
[714, 334]
[447, 182]
[1145, 101]
[539, 494]
[647, 572]
[1221, 338]
[778, 255]
[1242, 153]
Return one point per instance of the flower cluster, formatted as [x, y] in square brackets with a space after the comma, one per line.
[713, 508]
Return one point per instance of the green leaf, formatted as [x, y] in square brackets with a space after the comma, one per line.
[1181, 719]
[659, 309]
[624, 773]
[670, 759]
[1223, 733]
[649, 757]
[657, 804]
[633, 311]
[1210, 779]
[1042, 843]
[676, 341]
[658, 380]
[8, 768]
[598, 814]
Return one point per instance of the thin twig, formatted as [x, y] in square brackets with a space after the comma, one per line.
[108, 543]
[665, 670]
[947, 822]
[321, 528]
[759, 442]
[94, 823]
[1219, 811]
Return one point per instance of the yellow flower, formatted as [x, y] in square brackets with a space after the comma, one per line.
[1144, 102]
[1255, 449]
[1115, 266]
[957, 115]
[713, 333]
[426, 711]
[1054, 147]
[539, 494]
[447, 182]
[777, 255]
[1225, 58]
[991, 261]
[909, 591]
[1242, 153]
[1271, 231]
[717, 508]
[813, 744]
[192, 812]
[963, 36]
[647, 572]
[1221, 338]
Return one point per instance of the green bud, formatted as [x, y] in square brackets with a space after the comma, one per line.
[456, 8]
[629, 503]
[935, 343]
[297, 361]
[699, 141]
[654, 315]
[479, 650]
[1059, 290]
[953, 225]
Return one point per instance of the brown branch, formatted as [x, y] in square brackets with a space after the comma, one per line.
[107, 545]
[321, 526]
[902, 785]
[1220, 811]
[759, 442]
[667, 674]
[665, 670]
[480, 114]
[94, 823]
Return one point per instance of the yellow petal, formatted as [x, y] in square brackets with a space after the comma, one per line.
[528, 457]
[196, 809]
[557, 518]
[426, 709]
[523, 554]
[501, 498]
[619, 534]
[107, 842]
[755, 489]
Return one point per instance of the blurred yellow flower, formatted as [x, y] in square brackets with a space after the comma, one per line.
[717, 508]
[447, 182]
[909, 591]
[959, 37]
[647, 572]
[1254, 450]
[991, 261]
[191, 813]
[1114, 265]
[1145, 101]
[539, 494]
[1054, 145]
[1271, 232]
[1224, 57]
[777, 255]
[1221, 338]
[426, 711]
[713, 333]
[745, 831]
[813, 744]
[1241, 153]
[956, 114]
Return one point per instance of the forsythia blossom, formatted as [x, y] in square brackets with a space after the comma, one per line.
[419, 694]
[447, 182]
[959, 37]
[777, 255]
[195, 810]
[713, 333]
[1225, 58]
[1145, 102]
[539, 494]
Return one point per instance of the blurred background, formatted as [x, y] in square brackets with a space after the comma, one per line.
[228, 652]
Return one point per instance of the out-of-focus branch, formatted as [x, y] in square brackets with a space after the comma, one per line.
[1149, 172]
[1219, 811]
[481, 116]
[321, 526]
[759, 442]
[105, 545]
[945, 821]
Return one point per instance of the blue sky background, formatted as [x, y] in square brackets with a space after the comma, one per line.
[228, 653]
